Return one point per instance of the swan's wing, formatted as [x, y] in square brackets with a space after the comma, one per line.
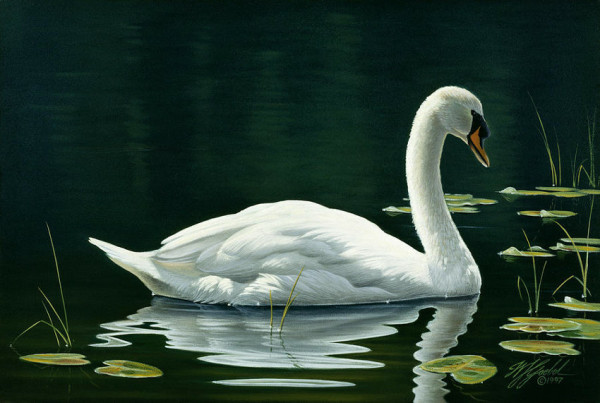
[281, 238]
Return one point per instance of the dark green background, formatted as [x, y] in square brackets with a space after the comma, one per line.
[130, 120]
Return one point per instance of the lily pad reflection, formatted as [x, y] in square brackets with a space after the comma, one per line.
[284, 383]
[540, 346]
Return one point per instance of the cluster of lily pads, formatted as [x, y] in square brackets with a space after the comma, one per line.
[120, 368]
[585, 245]
[457, 203]
[574, 328]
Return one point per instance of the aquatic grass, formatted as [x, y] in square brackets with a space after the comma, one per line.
[584, 267]
[555, 173]
[290, 300]
[61, 333]
[537, 285]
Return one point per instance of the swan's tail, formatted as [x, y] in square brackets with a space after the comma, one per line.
[137, 263]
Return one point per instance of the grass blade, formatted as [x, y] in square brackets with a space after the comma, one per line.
[62, 297]
[290, 300]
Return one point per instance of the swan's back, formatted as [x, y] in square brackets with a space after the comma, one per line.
[346, 258]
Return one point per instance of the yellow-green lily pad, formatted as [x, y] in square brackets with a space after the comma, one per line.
[533, 252]
[575, 248]
[547, 213]
[540, 346]
[63, 359]
[128, 369]
[470, 202]
[555, 189]
[457, 197]
[582, 241]
[573, 304]
[539, 325]
[394, 211]
[568, 194]
[590, 191]
[514, 192]
[589, 330]
[468, 369]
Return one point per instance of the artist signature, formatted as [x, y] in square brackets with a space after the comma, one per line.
[542, 370]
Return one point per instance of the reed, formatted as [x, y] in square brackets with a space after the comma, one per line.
[583, 267]
[555, 172]
[62, 332]
[537, 285]
[290, 300]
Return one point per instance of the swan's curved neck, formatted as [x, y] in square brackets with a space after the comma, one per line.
[450, 263]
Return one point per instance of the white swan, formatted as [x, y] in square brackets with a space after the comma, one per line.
[241, 258]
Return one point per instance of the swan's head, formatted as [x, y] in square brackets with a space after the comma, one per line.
[461, 115]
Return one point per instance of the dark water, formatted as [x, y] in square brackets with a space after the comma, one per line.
[129, 120]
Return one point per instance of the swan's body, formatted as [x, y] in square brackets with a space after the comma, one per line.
[241, 258]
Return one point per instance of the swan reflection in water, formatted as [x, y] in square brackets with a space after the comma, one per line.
[312, 338]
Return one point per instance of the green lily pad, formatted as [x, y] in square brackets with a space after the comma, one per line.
[128, 369]
[569, 195]
[470, 202]
[589, 330]
[533, 252]
[514, 192]
[540, 346]
[575, 248]
[590, 191]
[573, 304]
[555, 189]
[547, 213]
[467, 369]
[457, 197]
[583, 241]
[394, 211]
[64, 359]
[539, 325]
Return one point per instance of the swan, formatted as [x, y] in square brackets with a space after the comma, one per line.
[254, 257]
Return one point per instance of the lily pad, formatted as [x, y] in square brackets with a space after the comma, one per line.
[590, 191]
[547, 213]
[470, 202]
[394, 211]
[456, 197]
[467, 369]
[573, 304]
[540, 346]
[569, 195]
[583, 241]
[128, 369]
[514, 192]
[555, 189]
[533, 252]
[575, 248]
[589, 330]
[539, 325]
[63, 359]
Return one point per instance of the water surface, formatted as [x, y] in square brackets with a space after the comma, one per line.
[129, 120]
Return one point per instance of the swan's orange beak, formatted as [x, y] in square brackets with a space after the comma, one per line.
[479, 132]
